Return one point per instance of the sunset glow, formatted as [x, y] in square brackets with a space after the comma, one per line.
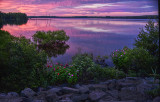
[81, 7]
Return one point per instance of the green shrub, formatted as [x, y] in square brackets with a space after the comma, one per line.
[101, 60]
[22, 59]
[140, 61]
[5, 39]
[148, 38]
[82, 62]
[52, 42]
[59, 74]
[120, 59]
[49, 37]
[97, 72]
[132, 73]
[137, 60]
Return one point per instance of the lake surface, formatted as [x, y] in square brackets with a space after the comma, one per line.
[93, 35]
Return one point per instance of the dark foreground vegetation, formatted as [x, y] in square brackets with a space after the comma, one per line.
[12, 18]
[22, 65]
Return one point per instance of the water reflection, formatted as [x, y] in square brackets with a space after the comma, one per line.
[54, 49]
[97, 36]
[12, 22]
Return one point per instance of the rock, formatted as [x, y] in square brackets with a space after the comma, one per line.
[79, 98]
[133, 80]
[77, 86]
[107, 98]
[55, 90]
[98, 86]
[17, 99]
[95, 95]
[40, 96]
[27, 99]
[84, 89]
[66, 100]
[27, 92]
[87, 101]
[65, 96]
[113, 93]
[157, 99]
[118, 101]
[52, 97]
[2, 95]
[12, 94]
[39, 101]
[123, 84]
[112, 84]
[130, 93]
[69, 90]
[144, 87]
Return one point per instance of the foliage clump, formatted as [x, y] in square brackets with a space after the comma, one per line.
[148, 38]
[89, 70]
[19, 59]
[144, 57]
[47, 37]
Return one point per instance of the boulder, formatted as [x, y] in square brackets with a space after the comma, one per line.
[133, 80]
[95, 95]
[157, 99]
[84, 89]
[113, 93]
[69, 90]
[27, 92]
[3, 95]
[98, 87]
[12, 94]
[112, 84]
[130, 93]
[40, 96]
[39, 101]
[107, 98]
[63, 97]
[144, 87]
[66, 100]
[77, 86]
[17, 99]
[79, 98]
[55, 90]
[51, 97]
[118, 101]
[26, 99]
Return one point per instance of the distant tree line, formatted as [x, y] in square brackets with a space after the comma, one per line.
[110, 17]
[12, 18]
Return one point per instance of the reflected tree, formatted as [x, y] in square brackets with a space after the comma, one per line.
[53, 49]
[52, 42]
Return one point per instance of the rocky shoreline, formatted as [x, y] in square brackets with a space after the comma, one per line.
[129, 89]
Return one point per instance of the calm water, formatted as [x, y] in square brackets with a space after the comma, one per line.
[97, 36]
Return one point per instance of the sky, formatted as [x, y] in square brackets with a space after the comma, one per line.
[81, 7]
